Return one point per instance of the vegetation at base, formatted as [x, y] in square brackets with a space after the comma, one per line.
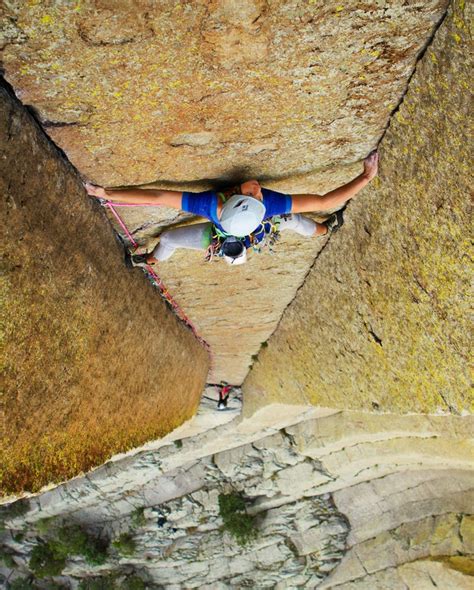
[22, 584]
[125, 544]
[49, 557]
[18, 508]
[138, 518]
[101, 583]
[230, 504]
[30, 584]
[7, 559]
[45, 524]
[178, 444]
[73, 540]
[239, 524]
[134, 583]
[46, 560]
[14, 510]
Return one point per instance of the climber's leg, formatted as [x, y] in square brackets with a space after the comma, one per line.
[302, 225]
[191, 237]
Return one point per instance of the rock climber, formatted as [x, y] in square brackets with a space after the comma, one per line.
[246, 216]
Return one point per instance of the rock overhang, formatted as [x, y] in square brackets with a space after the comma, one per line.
[190, 91]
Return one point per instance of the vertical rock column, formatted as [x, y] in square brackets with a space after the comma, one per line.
[94, 361]
[381, 322]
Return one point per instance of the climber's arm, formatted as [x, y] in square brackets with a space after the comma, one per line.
[137, 196]
[337, 197]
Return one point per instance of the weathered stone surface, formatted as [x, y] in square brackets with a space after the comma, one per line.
[418, 575]
[393, 494]
[466, 531]
[94, 362]
[382, 557]
[235, 309]
[179, 542]
[426, 574]
[181, 92]
[177, 93]
[365, 533]
[313, 539]
[139, 91]
[381, 321]
[340, 430]
[355, 448]
[434, 533]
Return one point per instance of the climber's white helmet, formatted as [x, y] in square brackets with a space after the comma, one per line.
[234, 251]
[241, 215]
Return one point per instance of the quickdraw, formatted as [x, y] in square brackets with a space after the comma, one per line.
[271, 230]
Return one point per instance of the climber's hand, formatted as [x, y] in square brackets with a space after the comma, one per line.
[371, 165]
[95, 191]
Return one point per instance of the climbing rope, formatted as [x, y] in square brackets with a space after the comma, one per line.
[151, 272]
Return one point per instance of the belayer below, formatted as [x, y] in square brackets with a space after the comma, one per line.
[246, 216]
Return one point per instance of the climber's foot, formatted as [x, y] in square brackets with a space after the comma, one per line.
[335, 222]
[132, 260]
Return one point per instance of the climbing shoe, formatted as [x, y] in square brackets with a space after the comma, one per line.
[335, 222]
[132, 260]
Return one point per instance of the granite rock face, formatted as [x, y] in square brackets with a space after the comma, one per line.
[295, 93]
[179, 92]
[141, 91]
[400, 512]
[381, 321]
[191, 95]
[94, 363]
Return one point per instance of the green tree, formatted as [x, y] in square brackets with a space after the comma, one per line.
[73, 540]
[46, 560]
[99, 583]
[125, 544]
[22, 584]
[138, 518]
[239, 524]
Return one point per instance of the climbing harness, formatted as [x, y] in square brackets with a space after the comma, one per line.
[150, 272]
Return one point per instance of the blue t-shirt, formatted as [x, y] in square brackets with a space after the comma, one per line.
[205, 205]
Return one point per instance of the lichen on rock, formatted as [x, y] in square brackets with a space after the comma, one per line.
[92, 364]
[381, 321]
[318, 80]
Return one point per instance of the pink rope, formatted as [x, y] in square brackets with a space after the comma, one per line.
[159, 283]
[178, 310]
[132, 204]
[122, 224]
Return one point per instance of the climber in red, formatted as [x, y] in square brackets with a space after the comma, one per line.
[247, 218]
